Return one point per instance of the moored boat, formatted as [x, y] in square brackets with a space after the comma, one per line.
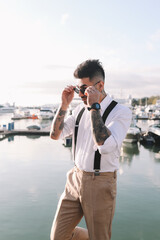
[154, 131]
[7, 108]
[46, 113]
[21, 114]
[33, 127]
[147, 139]
[133, 135]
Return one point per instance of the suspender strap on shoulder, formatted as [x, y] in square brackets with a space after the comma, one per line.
[76, 128]
[97, 157]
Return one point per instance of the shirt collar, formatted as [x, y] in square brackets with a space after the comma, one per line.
[105, 103]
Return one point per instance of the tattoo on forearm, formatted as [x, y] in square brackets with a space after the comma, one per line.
[62, 112]
[103, 92]
[59, 121]
[61, 125]
[100, 131]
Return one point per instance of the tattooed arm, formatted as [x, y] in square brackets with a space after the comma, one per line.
[58, 123]
[99, 130]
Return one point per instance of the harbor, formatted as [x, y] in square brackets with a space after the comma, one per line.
[50, 53]
[33, 172]
[26, 121]
[136, 133]
[22, 132]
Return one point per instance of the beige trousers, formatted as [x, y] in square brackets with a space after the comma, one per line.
[90, 196]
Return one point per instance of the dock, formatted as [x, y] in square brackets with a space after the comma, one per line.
[22, 132]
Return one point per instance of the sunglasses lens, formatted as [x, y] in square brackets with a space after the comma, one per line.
[76, 90]
[83, 90]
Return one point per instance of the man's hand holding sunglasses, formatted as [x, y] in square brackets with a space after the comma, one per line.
[93, 95]
[67, 96]
[90, 93]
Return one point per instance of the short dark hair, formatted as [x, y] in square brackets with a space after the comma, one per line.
[90, 68]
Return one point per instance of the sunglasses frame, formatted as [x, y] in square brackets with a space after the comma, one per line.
[77, 89]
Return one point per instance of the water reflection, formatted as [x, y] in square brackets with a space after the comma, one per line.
[157, 157]
[33, 194]
[148, 146]
[33, 136]
[45, 123]
[154, 152]
[11, 138]
[128, 150]
[33, 174]
[155, 149]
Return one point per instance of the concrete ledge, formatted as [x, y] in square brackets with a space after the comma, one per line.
[23, 132]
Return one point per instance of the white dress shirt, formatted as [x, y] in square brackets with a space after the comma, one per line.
[117, 122]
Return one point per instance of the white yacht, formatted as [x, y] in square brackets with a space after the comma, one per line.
[154, 131]
[46, 113]
[141, 113]
[21, 113]
[7, 108]
[133, 133]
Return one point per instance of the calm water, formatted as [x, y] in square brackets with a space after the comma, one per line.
[32, 178]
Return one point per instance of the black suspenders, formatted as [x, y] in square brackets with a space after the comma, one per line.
[76, 129]
[97, 157]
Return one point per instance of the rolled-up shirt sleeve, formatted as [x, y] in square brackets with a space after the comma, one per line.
[69, 123]
[118, 128]
[68, 128]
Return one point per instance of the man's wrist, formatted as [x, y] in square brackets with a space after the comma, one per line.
[94, 110]
[95, 106]
[64, 106]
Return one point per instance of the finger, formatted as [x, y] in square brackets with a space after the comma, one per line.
[92, 88]
[69, 88]
[89, 91]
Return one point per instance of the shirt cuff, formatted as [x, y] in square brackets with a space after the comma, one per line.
[108, 146]
[61, 136]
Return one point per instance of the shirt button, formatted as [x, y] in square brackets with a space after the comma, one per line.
[95, 147]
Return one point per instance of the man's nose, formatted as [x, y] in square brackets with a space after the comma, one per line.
[80, 94]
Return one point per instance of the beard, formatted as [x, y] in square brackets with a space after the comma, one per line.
[84, 99]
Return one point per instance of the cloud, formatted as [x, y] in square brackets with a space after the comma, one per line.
[149, 70]
[47, 87]
[154, 41]
[137, 85]
[53, 67]
[64, 18]
[156, 36]
[150, 46]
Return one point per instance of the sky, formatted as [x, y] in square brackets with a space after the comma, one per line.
[43, 41]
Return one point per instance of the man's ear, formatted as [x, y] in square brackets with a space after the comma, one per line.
[101, 86]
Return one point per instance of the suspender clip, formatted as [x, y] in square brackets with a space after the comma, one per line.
[96, 172]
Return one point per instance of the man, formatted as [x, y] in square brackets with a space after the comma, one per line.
[90, 191]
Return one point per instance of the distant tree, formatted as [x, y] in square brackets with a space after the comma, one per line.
[145, 101]
[135, 102]
[153, 99]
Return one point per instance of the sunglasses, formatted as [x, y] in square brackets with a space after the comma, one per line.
[82, 89]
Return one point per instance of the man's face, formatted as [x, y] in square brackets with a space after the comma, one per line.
[83, 83]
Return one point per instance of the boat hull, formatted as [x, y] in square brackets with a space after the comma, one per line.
[156, 137]
[6, 111]
[132, 138]
[154, 131]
